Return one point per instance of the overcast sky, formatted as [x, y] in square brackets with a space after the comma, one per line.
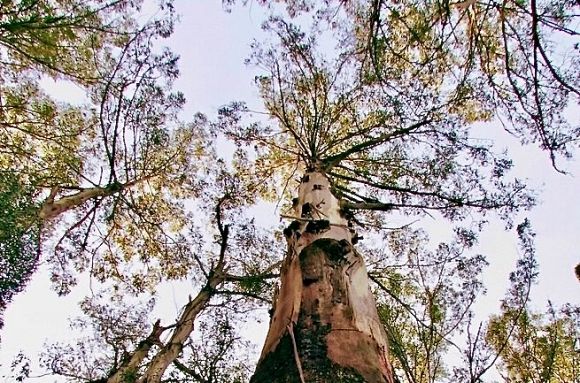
[212, 45]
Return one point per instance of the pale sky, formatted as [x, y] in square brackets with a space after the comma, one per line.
[212, 45]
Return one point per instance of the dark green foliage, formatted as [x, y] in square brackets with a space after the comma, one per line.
[19, 237]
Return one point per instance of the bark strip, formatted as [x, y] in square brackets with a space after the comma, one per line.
[296, 356]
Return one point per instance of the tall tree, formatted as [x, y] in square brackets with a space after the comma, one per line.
[225, 283]
[385, 124]
[513, 61]
[354, 150]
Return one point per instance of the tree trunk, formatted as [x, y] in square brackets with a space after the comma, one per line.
[172, 348]
[129, 368]
[325, 326]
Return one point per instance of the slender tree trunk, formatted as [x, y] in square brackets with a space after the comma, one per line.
[325, 326]
[128, 370]
[169, 352]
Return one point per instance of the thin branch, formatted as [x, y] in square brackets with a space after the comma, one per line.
[380, 206]
[332, 161]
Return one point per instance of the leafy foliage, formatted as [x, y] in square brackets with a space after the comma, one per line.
[117, 329]
[19, 236]
[425, 301]
[124, 135]
[475, 60]
[330, 118]
[542, 346]
[218, 355]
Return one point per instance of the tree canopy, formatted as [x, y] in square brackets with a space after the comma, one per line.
[85, 156]
[385, 98]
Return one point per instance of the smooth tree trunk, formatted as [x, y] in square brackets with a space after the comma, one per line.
[325, 326]
[169, 352]
[166, 353]
[51, 209]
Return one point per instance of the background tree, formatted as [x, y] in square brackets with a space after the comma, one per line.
[18, 242]
[85, 157]
[426, 300]
[149, 352]
[542, 347]
[39, 38]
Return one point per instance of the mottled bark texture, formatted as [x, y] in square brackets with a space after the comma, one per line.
[325, 326]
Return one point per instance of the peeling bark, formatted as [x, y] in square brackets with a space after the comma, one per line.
[325, 325]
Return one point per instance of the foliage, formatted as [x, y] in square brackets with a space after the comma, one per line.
[486, 56]
[330, 119]
[19, 236]
[477, 60]
[425, 301]
[85, 158]
[133, 196]
[123, 345]
[542, 346]
[117, 327]
[218, 354]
